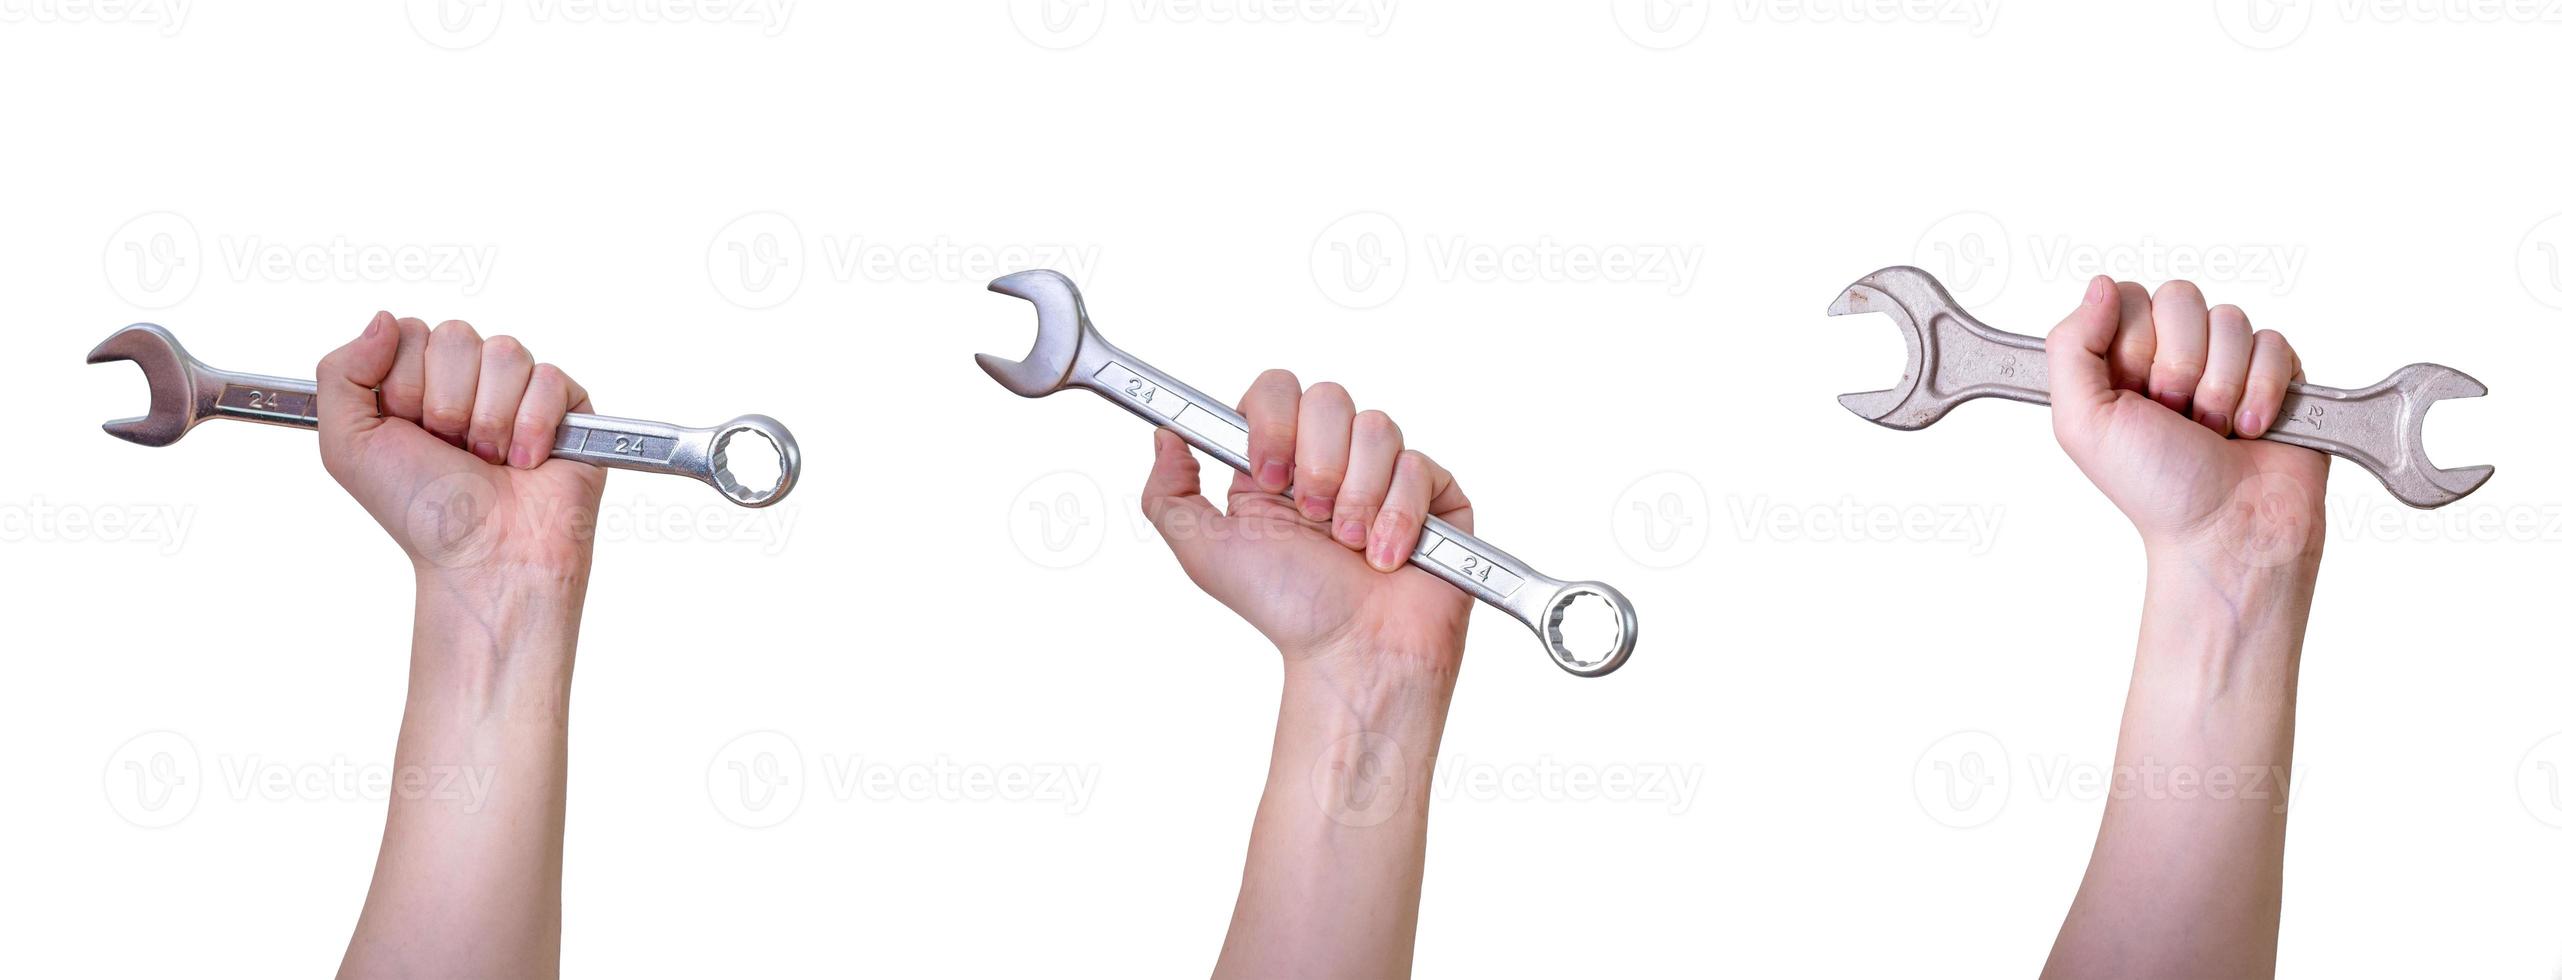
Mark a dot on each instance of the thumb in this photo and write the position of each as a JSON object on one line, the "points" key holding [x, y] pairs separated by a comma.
{"points": [[1173, 501], [2077, 351], [347, 379]]}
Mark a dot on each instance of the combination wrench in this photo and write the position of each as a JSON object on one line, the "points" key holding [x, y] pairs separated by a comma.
{"points": [[1068, 353], [1952, 358], [185, 392]]}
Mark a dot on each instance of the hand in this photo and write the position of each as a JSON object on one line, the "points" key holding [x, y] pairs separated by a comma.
{"points": [[456, 464], [2146, 389], [1322, 575]]}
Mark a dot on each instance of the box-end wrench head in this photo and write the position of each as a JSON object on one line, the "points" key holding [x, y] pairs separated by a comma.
{"points": [[1951, 358], [185, 392], [1069, 353]]}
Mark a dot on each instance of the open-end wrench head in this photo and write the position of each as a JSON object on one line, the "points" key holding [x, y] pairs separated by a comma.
{"points": [[1063, 327], [1911, 298], [2414, 479], [171, 375]]}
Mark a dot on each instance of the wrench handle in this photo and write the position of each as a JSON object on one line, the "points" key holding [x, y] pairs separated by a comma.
{"points": [[1452, 555], [603, 440], [2013, 366]]}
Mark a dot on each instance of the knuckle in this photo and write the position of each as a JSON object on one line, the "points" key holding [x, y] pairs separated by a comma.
{"points": [[454, 330], [1373, 422], [1276, 379], [505, 349], [1329, 391], [1327, 474]]}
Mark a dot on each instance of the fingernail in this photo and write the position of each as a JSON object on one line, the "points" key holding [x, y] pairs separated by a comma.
{"points": [[488, 452], [2176, 401], [1380, 546], [1274, 475], [520, 456], [2099, 290], [2216, 421], [374, 327], [1391, 552], [1317, 508], [1354, 534], [2250, 424]]}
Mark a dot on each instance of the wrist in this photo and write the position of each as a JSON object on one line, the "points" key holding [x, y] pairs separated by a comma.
{"points": [[480, 653]]}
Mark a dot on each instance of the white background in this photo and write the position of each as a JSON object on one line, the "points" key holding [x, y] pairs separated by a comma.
{"points": [[791, 208]]}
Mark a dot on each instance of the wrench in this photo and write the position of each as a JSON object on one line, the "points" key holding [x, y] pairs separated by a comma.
{"points": [[1068, 353], [184, 392], [1951, 358]]}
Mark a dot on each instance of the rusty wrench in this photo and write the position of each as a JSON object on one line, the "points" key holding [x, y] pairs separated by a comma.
{"points": [[1068, 353], [1952, 358], [185, 392]]}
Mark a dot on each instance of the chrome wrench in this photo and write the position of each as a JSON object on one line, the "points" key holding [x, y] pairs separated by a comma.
{"points": [[1952, 358], [1068, 353], [185, 392]]}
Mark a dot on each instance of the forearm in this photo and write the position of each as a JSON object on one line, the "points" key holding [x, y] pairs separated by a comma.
{"points": [[1334, 872], [2185, 877], [468, 880]]}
